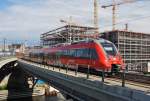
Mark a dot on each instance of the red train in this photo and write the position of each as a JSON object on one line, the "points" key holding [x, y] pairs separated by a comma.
{"points": [[98, 54]]}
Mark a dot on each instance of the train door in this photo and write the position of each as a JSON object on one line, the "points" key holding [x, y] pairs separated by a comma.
{"points": [[90, 57], [93, 57], [54, 59], [51, 58], [57, 58], [46, 58]]}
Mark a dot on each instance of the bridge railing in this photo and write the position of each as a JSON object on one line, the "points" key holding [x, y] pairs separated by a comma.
{"points": [[6, 57], [81, 85], [76, 71]]}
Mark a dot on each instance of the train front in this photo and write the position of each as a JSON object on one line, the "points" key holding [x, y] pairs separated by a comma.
{"points": [[114, 59]]}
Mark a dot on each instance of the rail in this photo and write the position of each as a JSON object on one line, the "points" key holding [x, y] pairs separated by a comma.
{"points": [[123, 78]]}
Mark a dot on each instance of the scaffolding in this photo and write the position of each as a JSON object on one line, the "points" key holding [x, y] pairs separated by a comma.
{"points": [[134, 48], [68, 33]]}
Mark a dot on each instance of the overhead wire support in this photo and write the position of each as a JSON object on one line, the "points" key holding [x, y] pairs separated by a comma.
{"points": [[4, 46]]}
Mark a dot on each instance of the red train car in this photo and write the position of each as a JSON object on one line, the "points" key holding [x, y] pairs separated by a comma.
{"points": [[97, 54]]}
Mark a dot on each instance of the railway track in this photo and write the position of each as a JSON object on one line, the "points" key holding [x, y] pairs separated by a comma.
{"points": [[134, 77], [130, 79], [128, 82]]}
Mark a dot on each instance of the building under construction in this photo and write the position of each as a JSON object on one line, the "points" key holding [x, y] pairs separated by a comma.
{"points": [[134, 48], [68, 33]]}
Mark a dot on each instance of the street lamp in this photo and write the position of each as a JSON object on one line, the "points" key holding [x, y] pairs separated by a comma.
{"points": [[69, 23], [4, 46]]}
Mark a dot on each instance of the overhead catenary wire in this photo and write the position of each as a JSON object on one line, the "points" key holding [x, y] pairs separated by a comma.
{"points": [[128, 21]]}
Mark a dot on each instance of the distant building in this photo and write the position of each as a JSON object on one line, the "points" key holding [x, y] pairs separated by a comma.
{"points": [[4, 51], [133, 46], [17, 48], [31, 49], [1, 48]]}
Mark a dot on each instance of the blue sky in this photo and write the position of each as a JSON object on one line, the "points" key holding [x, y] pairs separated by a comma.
{"points": [[22, 20]]}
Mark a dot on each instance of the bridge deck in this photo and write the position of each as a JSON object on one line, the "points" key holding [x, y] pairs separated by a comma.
{"points": [[5, 93], [114, 88], [5, 60], [108, 81]]}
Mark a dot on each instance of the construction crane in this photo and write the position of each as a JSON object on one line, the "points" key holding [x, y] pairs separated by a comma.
{"points": [[96, 16], [113, 5], [68, 22]]}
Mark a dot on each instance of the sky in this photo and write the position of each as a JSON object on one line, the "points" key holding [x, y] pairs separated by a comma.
{"points": [[25, 20]]}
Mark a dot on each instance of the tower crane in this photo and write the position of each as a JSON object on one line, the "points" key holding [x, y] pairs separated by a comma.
{"points": [[113, 5], [96, 16]]}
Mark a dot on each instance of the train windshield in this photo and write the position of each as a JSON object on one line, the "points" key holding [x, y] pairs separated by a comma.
{"points": [[109, 48]]}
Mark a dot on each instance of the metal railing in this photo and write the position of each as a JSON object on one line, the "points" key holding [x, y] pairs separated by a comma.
{"points": [[6, 57], [86, 73]]}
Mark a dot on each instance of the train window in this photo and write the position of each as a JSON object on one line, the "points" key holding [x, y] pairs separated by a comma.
{"points": [[109, 48], [71, 53], [41, 54], [66, 52], [86, 53], [93, 54], [58, 53], [63, 53], [79, 53]]}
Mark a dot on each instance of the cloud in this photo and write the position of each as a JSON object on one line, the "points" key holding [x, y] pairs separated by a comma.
{"points": [[27, 19]]}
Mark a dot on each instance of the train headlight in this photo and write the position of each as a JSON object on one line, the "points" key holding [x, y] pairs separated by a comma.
{"points": [[114, 59], [106, 60]]}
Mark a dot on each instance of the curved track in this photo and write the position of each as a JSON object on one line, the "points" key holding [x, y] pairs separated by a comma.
{"points": [[130, 79]]}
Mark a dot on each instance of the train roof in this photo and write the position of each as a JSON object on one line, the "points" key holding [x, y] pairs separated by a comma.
{"points": [[62, 45], [101, 40]]}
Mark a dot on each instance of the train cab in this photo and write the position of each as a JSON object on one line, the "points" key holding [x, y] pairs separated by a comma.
{"points": [[114, 58]]}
